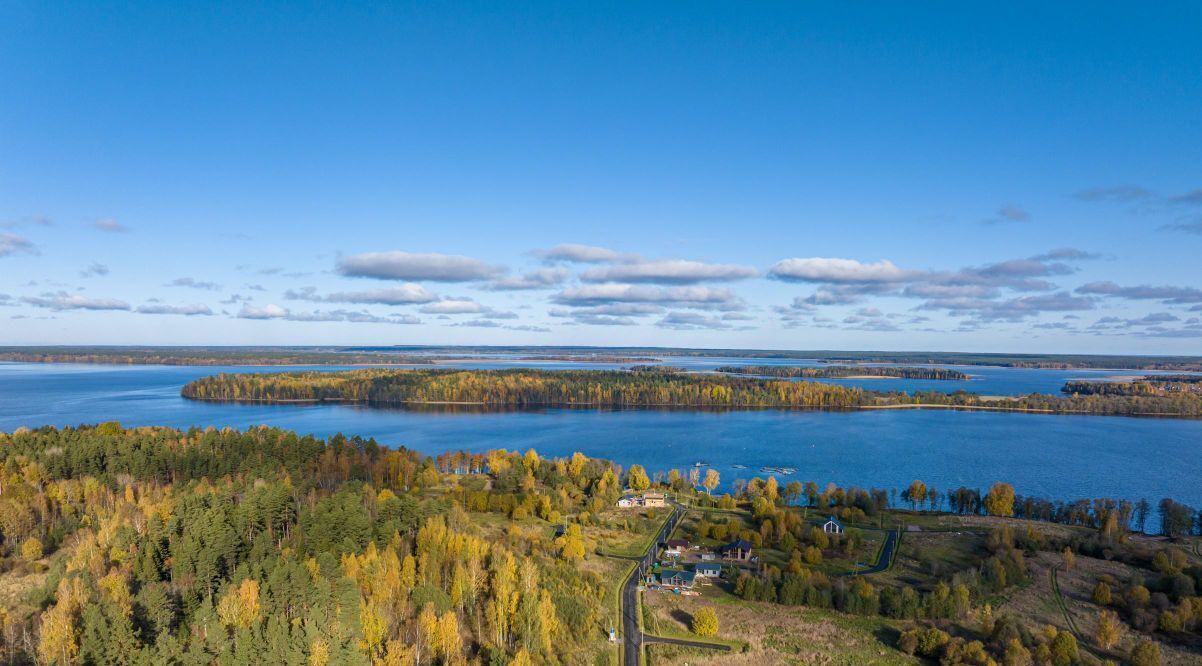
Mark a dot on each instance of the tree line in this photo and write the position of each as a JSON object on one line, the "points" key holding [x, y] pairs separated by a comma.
{"points": [[614, 388], [844, 371]]}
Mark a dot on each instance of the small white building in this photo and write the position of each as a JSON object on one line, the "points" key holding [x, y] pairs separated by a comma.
{"points": [[832, 526]]}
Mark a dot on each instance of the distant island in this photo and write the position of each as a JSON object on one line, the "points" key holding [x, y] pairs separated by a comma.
{"points": [[1150, 385], [520, 388], [845, 372]]}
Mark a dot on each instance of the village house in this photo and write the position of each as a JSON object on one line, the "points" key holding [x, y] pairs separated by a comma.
{"points": [[654, 500], [739, 550], [646, 500], [832, 526], [675, 547], [708, 570], [677, 578]]}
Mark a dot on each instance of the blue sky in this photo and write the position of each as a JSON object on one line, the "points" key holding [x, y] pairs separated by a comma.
{"points": [[1014, 177]]}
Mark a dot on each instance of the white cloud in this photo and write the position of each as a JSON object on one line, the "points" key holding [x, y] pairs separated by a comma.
{"points": [[674, 271], [405, 294], [417, 267], [93, 270], [110, 225], [270, 311], [837, 271], [583, 254], [693, 296], [65, 301], [193, 310], [543, 278], [12, 243], [453, 306], [193, 283]]}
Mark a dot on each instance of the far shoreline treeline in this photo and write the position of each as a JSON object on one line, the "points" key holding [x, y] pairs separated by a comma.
{"points": [[522, 388], [845, 372], [425, 354]]}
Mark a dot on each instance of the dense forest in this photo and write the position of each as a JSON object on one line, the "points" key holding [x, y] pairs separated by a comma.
{"points": [[157, 546], [1149, 385], [595, 388], [523, 388], [202, 356], [844, 371]]}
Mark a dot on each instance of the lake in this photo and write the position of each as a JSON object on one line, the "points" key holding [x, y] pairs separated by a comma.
{"points": [[1061, 457]]}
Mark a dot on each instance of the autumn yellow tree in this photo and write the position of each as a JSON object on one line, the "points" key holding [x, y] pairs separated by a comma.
{"points": [[637, 479], [1000, 500], [1109, 629], [705, 622], [239, 606]]}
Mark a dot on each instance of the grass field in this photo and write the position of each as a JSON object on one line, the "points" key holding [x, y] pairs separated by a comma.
{"points": [[773, 634]]}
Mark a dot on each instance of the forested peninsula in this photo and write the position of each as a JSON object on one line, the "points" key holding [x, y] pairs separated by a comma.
{"points": [[595, 388], [844, 372]]}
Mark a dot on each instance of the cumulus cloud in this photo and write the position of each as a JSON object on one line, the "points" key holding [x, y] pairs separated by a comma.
{"points": [[192, 310], [675, 271], [93, 270], [1165, 294], [110, 225], [355, 317], [587, 317], [610, 293], [454, 306], [692, 321], [582, 254], [1013, 309], [837, 271], [405, 294], [1184, 227], [543, 278], [193, 283], [417, 267], [1009, 213], [270, 311], [12, 243], [65, 301]]}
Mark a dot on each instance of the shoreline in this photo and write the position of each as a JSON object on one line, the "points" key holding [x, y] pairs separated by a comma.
{"points": [[687, 407]]}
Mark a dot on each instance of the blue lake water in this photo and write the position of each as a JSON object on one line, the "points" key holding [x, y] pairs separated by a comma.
{"points": [[1064, 457]]}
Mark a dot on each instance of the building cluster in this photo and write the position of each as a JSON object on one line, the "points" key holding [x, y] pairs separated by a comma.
{"points": [[683, 566], [648, 500]]}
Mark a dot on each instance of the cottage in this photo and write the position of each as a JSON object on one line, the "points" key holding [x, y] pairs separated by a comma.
{"points": [[708, 570], [675, 547], [832, 526], [739, 550], [653, 500], [626, 502], [677, 578]]}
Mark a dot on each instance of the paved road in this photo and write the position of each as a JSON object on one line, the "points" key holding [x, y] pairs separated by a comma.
{"points": [[885, 560], [632, 650]]}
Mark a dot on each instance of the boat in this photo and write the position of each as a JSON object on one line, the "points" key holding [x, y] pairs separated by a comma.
{"points": [[701, 464], [738, 466]]}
